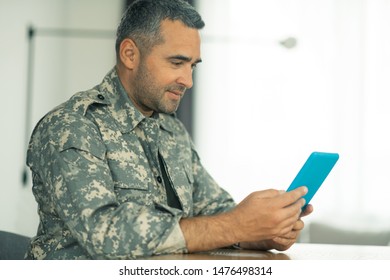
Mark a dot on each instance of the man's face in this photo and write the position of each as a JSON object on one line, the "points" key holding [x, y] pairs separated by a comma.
{"points": [[165, 73]]}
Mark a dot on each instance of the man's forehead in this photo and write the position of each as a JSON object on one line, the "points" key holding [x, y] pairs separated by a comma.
{"points": [[180, 40], [177, 29]]}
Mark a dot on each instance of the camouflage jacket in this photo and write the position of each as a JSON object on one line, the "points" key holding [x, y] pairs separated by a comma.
{"points": [[96, 179]]}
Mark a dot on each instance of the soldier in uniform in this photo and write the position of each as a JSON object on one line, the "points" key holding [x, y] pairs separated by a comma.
{"points": [[115, 173]]}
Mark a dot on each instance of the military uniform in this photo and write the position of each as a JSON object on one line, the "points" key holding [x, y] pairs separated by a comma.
{"points": [[111, 183]]}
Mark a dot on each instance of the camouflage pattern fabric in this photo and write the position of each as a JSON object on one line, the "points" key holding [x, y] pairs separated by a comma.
{"points": [[97, 179]]}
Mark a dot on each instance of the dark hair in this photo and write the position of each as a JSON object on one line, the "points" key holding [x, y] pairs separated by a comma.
{"points": [[142, 19]]}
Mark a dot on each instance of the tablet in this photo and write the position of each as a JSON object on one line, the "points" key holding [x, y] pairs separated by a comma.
{"points": [[314, 172]]}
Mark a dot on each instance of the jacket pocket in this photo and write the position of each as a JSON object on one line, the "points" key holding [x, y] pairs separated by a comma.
{"points": [[131, 181]]}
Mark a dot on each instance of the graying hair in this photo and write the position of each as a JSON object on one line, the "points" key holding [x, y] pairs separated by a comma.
{"points": [[142, 19]]}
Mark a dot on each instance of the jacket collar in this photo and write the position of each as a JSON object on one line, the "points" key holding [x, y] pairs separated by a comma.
{"points": [[122, 108]]}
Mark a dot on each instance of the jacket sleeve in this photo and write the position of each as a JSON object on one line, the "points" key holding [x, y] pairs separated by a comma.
{"points": [[79, 189], [209, 198]]}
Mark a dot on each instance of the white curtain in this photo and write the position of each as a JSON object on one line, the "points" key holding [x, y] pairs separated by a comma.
{"points": [[262, 107]]}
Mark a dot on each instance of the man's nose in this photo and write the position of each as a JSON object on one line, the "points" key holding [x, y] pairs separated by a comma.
{"points": [[185, 78]]}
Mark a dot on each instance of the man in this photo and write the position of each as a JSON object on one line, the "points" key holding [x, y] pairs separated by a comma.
{"points": [[115, 173]]}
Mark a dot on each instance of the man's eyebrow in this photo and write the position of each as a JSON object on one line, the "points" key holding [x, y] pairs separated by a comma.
{"points": [[185, 58]]}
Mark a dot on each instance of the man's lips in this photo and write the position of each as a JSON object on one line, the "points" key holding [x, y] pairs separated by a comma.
{"points": [[176, 92], [176, 95]]}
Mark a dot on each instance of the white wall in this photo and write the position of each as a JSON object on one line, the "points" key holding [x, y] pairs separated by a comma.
{"points": [[262, 108], [62, 67]]}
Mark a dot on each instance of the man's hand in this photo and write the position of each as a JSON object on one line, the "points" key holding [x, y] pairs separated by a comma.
{"points": [[280, 243], [271, 216], [268, 214]]}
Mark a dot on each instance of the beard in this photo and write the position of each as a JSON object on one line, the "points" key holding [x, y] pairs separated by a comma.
{"points": [[150, 96]]}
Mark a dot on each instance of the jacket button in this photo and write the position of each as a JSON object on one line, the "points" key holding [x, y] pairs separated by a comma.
{"points": [[100, 96], [159, 179]]}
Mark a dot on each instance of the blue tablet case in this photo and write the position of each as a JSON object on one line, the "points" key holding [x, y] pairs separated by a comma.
{"points": [[314, 172]]}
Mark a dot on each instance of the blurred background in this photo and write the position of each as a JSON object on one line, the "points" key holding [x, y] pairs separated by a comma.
{"points": [[279, 79]]}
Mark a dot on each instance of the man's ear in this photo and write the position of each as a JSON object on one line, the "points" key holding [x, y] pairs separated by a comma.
{"points": [[129, 53]]}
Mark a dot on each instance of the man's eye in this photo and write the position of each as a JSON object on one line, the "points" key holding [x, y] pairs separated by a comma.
{"points": [[177, 63]]}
